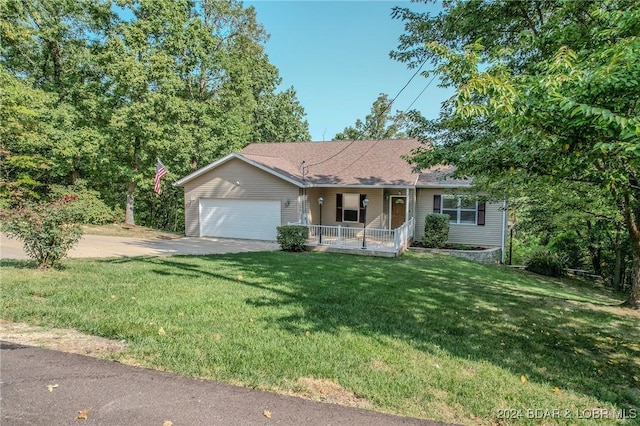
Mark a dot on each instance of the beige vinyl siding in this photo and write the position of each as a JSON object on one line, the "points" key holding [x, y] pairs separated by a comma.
{"points": [[489, 235], [375, 211], [236, 179]]}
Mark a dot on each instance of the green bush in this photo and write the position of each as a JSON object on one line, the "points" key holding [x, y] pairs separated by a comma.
{"points": [[436, 230], [88, 209], [571, 247], [47, 230], [292, 237], [545, 262]]}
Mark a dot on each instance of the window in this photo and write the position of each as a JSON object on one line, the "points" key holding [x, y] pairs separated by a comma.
{"points": [[349, 208], [460, 210]]}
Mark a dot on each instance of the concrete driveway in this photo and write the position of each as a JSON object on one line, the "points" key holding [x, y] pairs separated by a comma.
{"points": [[102, 246]]}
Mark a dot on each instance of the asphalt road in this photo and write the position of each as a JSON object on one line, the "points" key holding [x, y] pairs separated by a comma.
{"points": [[103, 246], [117, 394]]}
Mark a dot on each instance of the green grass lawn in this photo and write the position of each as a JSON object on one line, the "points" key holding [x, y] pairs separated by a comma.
{"points": [[422, 335]]}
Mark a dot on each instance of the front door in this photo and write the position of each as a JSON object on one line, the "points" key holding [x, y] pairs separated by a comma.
{"points": [[398, 211]]}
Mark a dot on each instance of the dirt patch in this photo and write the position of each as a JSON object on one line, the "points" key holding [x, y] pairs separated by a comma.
{"points": [[612, 309], [326, 390], [59, 339], [132, 231]]}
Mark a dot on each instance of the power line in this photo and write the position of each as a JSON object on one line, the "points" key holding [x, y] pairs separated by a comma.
{"points": [[378, 116], [420, 94]]}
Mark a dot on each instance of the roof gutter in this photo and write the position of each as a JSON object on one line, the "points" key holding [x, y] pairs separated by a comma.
{"points": [[240, 157]]}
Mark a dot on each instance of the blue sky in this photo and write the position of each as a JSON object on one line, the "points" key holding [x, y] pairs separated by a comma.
{"points": [[336, 55]]}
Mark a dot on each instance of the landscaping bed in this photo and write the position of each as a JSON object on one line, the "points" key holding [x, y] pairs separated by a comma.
{"points": [[488, 255]]}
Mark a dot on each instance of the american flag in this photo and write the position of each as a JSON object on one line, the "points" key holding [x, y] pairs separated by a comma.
{"points": [[160, 173]]}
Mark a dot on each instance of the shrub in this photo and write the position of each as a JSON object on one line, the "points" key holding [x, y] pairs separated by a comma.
{"points": [[292, 237], [47, 230], [571, 247], [436, 230], [545, 262], [88, 209]]}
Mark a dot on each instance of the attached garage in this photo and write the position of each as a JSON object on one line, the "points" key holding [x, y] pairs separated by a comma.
{"points": [[236, 218]]}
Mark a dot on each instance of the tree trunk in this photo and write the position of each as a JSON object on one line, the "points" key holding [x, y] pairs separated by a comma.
{"points": [[634, 296], [75, 175], [616, 279], [632, 220], [595, 252], [129, 219]]}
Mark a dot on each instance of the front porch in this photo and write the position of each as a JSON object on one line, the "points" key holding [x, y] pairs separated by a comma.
{"points": [[361, 240]]}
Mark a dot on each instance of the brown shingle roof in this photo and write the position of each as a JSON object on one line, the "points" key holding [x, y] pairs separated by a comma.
{"points": [[371, 163], [440, 176]]}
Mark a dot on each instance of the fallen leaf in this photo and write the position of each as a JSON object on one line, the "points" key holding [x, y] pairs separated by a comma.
{"points": [[556, 389], [161, 332], [240, 277], [167, 423], [83, 414], [267, 414], [523, 379], [52, 387]]}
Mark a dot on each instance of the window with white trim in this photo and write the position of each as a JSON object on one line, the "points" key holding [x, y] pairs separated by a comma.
{"points": [[350, 207], [460, 210]]}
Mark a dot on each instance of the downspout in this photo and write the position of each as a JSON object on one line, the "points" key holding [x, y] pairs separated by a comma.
{"points": [[504, 225]]}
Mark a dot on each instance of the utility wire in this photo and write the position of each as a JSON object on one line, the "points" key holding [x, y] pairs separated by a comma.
{"points": [[406, 109], [420, 94], [378, 116]]}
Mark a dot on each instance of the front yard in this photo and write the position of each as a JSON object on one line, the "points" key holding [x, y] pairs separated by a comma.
{"points": [[422, 335]]}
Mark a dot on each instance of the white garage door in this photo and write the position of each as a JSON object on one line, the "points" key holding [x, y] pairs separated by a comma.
{"points": [[249, 219]]}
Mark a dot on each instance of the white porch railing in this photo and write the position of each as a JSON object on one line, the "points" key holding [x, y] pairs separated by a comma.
{"points": [[392, 240]]}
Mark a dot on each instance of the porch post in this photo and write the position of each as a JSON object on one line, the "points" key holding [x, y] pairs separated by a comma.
{"points": [[406, 205]]}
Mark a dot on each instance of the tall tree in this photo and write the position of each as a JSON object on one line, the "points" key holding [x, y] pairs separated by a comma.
{"points": [[47, 46], [381, 123], [99, 89], [280, 118], [549, 92], [186, 80]]}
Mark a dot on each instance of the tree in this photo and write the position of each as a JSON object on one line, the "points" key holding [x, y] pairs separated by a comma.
{"points": [[576, 221], [96, 90], [280, 118], [45, 60], [549, 92], [380, 124]]}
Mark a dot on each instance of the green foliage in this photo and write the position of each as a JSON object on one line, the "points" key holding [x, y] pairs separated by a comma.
{"points": [[47, 230], [569, 246], [543, 261], [521, 246], [88, 208], [436, 230], [380, 123], [292, 237], [280, 118], [546, 93], [88, 94]]}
